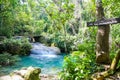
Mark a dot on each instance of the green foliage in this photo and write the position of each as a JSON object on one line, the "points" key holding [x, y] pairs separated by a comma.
{"points": [[25, 48], [89, 10], [8, 59], [112, 8], [114, 39], [14, 46], [7, 8], [52, 19], [59, 40], [80, 64], [86, 36], [60, 14]]}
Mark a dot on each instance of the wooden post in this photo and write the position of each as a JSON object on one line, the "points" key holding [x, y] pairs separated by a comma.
{"points": [[104, 22], [102, 39]]}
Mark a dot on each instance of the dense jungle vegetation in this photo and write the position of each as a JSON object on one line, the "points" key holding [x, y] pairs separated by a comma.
{"points": [[60, 23]]}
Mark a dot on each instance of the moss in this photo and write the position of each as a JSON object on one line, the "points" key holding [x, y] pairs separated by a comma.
{"points": [[32, 74]]}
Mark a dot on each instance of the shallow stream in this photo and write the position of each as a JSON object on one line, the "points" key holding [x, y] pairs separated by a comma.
{"points": [[48, 61]]}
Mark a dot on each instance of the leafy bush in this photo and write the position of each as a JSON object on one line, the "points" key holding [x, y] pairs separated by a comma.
{"points": [[88, 47], [58, 40], [114, 39], [8, 59], [80, 64], [16, 46], [25, 49]]}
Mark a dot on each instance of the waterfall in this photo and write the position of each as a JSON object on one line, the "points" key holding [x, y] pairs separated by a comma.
{"points": [[40, 50]]}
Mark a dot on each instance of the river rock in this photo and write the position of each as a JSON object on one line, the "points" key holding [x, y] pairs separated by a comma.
{"points": [[56, 50], [29, 73]]}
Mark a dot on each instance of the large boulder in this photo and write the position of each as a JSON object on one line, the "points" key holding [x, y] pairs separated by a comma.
{"points": [[29, 73], [55, 50]]}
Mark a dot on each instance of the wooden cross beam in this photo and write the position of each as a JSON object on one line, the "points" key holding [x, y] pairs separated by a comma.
{"points": [[104, 22]]}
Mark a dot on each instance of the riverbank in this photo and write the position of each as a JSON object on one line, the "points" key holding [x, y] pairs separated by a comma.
{"points": [[42, 77]]}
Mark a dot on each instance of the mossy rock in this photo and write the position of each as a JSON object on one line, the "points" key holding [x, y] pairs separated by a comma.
{"points": [[32, 74], [29, 73]]}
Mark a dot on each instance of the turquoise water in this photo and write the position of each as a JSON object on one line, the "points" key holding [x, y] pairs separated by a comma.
{"points": [[49, 64], [41, 56]]}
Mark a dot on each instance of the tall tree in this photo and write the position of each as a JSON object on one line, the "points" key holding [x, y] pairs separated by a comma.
{"points": [[60, 13], [102, 39], [77, 24], [7, 17]]}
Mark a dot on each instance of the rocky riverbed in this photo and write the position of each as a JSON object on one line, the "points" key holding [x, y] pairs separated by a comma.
{"points": [[29, 73]]}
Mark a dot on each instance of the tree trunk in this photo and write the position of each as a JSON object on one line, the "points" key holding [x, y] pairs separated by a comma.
{"points": [[77, 15], [115, 61], [102, 39], [65, 36], [73, 29]]}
